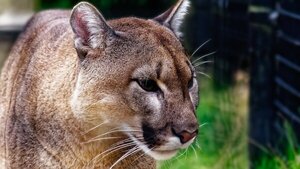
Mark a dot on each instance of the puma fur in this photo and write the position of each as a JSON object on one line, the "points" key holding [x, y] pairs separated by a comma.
{"points": [[78, 91]]}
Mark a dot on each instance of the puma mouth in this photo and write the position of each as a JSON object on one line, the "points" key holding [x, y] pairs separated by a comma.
{"points": [[154, 153], [161, 152]]}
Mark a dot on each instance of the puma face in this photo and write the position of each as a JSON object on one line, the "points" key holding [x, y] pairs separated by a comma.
{"points": [[164, 97], [135, 77]]}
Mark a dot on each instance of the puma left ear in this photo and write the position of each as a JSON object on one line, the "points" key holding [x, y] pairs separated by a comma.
{"points": [[89, 26], [173, 17]]}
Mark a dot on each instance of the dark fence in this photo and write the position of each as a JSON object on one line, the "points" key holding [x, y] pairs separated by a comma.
{"points": [[275, 74], [287, 65], [264, 35]]}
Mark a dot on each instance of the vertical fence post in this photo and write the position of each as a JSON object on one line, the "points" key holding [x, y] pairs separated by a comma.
{"points": [[261, 115]]}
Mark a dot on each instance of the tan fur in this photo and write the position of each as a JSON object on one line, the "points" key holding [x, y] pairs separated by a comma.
{"points": [[49, 98]]}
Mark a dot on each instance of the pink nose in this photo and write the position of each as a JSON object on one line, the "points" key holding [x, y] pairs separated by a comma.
{"points": [[186, 136]]}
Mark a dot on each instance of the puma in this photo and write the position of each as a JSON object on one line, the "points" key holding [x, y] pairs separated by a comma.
{"points": [[78, 91]]}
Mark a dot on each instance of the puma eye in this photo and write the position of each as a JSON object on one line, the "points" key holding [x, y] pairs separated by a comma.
{"points": [[148, 85], [191, 83]]}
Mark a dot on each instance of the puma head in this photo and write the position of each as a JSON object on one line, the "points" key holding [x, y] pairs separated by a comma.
{"points": [[135, 76]]}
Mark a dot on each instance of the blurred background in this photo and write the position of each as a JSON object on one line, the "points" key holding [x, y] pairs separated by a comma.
{"points": [[248, 68]]}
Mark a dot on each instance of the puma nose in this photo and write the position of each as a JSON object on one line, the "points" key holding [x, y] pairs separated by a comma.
{"points": [[186, 136]]}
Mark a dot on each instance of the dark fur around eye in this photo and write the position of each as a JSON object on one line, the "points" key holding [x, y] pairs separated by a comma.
{"points": [[191, 83], [148, 85]]}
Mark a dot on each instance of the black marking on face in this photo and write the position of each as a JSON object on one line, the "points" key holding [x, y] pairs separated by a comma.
{"points": [[149, 134]]}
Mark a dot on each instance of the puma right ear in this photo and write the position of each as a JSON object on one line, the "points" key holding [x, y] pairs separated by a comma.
{"points": [[89, 26], [173, 17]]}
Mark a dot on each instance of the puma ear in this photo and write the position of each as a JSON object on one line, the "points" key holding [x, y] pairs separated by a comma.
{"points": [[89, 26], [173, 17]]}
